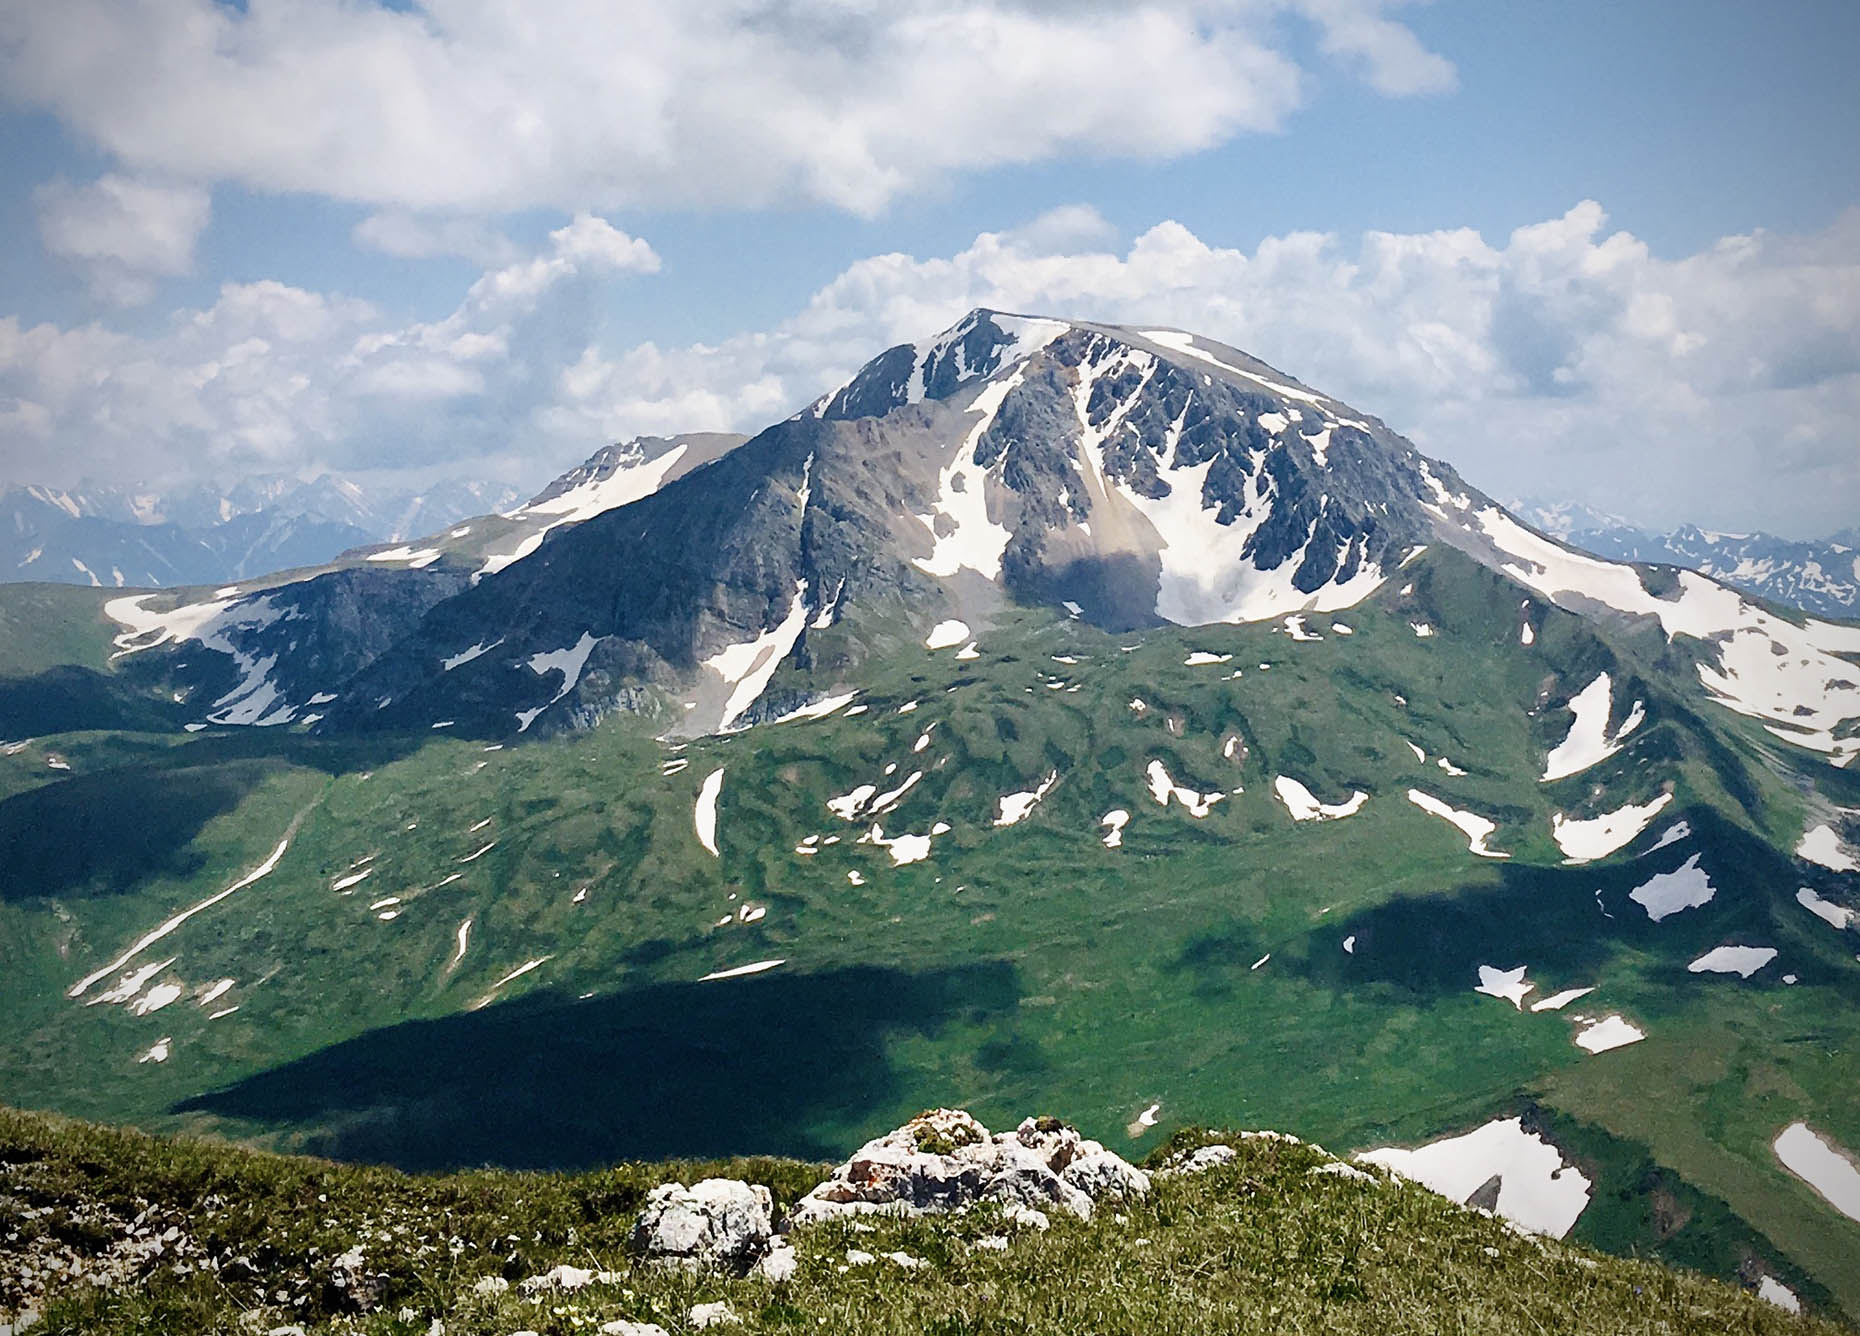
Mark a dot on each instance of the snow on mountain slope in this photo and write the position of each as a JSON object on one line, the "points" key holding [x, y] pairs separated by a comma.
{"points": [[1820, 577], [1801, 681], [616, 475], [1141, 475], [1144, 474]]}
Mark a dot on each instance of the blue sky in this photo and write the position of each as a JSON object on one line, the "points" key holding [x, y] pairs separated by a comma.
{"points": [[1602, 252]]}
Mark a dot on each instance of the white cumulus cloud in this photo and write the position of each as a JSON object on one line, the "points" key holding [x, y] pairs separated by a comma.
{"points": [[474, 107], [122, 233], [1564, 360]]}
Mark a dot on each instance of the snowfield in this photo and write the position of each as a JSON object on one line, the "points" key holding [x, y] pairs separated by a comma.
{"points": [[1507, 985], [704, 815], [1304, 806], [1611, 1033], [1597, 837], [1537, 1190], [1588, 741], [1163, 788], [1742, 961], [1475, 828], [1835, 916], [748, 667], [1790, 677], [1826, 1167], [1207, 572], [1821, 845], [1667, 893]]}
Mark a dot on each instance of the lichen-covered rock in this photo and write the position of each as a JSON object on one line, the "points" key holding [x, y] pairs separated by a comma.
{"points": [[945, 1160], [1105, 1174], [718, 1222], [621, 1327]]}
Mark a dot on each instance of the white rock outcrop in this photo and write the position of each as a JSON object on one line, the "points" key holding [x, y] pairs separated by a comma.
{"points": [[1206, 1157], [778, 1264], [718, 1222], [945, 1160], [713, 1315]]}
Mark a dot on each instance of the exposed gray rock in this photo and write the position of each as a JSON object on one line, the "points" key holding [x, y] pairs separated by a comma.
{"points": [[945, 1160], [1208, 1157], [1106, 1175], [621, 1327], [718, 1222]]}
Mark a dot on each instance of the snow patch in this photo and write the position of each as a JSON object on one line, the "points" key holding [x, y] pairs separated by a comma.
{"points": [[1588, 741], [1557, 1001], [1304, 806], [704, 816], [1476, 828], [1773, 1291], [1835, 916], [1611, 1033], [1667, 893], [1114, 822], [1537, 1190], [1742, 961], [944, 635], [1507, 985], [749, 666], [1821, 845], [1014, 807], [1163, 788], [447, 664], [1597, 837], [1825, 1166], [740, 971], [819, 709]]}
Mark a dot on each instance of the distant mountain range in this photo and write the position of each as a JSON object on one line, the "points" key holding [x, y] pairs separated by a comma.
{"points": [[143, 538], [1820, 577]]}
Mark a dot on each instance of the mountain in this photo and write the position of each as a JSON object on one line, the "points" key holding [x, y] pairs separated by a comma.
{"points": [[141, 538], [1057, 715], [1819, 577]]}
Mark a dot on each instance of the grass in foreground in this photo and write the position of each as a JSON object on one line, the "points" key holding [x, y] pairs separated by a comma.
{"points": [[252, 1241]]}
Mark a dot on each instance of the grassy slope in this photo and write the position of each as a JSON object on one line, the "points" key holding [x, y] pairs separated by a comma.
{"points": [[1263, 1245], [1027, 967], [45, 626]]}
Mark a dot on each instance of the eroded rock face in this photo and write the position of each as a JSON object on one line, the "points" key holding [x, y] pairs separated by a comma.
{"points": [[718, 1222], [945, 1160]]}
